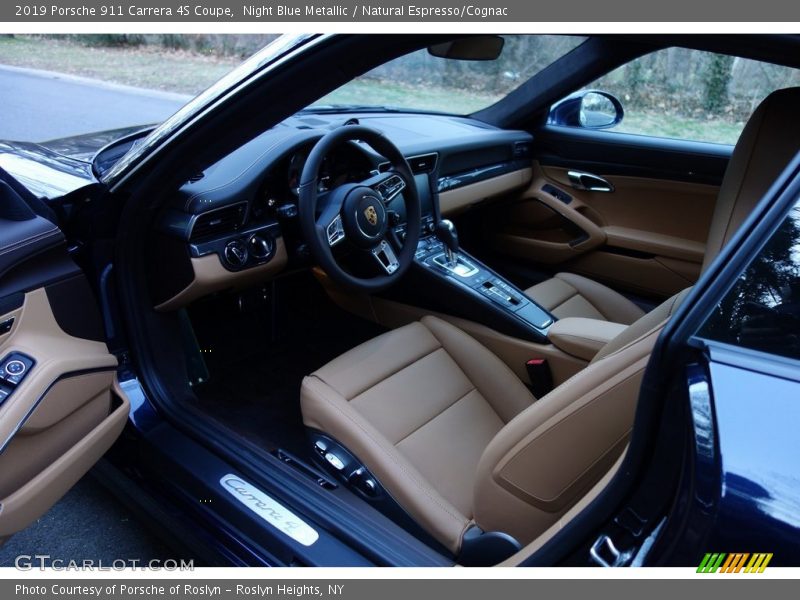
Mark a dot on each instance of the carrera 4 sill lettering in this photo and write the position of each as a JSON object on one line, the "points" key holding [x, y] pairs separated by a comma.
{"points": [[269, 510]]}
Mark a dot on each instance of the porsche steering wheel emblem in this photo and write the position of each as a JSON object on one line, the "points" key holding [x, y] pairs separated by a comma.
{"points": [[372, 215]]}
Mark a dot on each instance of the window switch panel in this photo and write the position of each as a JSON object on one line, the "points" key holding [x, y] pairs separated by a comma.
{"points": [[14, 368]]}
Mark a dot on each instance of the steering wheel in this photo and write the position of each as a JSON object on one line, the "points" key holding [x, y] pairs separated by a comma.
{"points": [[356, 213]]}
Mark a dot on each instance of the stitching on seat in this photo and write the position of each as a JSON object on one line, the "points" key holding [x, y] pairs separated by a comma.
{"points": [[432, 494], [489, 403], [589, 302], [557, 306], [441, 412], [390, 375]]}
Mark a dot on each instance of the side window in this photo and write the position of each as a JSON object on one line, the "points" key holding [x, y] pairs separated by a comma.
{"points": [[762, 311], [692, 95]]}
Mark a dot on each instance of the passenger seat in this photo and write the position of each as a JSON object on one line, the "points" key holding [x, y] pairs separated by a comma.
{"points": [[767, 144]]}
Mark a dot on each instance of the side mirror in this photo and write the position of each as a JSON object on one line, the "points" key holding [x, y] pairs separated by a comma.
{"points": [[590, 109]]}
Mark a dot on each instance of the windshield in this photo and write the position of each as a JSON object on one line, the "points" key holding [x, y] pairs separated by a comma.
{"points": [[256, 63], [423, 82]]}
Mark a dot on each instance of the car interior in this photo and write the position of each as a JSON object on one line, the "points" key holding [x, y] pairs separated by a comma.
{"points": [[445, 319], [445, 397]]}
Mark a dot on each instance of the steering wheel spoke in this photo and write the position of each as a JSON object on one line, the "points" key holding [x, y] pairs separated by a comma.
{"points": [[335, 231], [330, 218], [385, 256], [387, 185]]}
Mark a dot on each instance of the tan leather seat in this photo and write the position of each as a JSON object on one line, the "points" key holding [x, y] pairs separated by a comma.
{"points": [[769, 141], [458, 440]]}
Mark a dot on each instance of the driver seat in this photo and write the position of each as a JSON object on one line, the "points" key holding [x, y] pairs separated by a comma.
{"points": [[459, 442]]}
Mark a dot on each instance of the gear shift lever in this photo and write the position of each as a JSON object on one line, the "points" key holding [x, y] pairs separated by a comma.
{"points": [[446, 232]]}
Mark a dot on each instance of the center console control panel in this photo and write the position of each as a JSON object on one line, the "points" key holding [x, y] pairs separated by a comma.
{"points": [[14, 368], [469, 273]]}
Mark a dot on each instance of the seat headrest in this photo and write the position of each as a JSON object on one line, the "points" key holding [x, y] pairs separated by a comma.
{"points": [[769, 141]]}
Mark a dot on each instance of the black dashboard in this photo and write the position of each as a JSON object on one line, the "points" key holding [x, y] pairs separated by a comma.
{"points": [[240, 207]]}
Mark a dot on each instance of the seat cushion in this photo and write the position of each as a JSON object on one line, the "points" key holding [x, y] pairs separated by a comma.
{"points": [[569, 295], [418, 406]]}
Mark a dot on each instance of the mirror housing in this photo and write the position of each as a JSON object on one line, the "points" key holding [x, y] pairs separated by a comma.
{"points": [[589, 109], [475, 47]]}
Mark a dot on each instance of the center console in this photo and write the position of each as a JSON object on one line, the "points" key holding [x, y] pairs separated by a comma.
{"points": [[446, 279], [467, 273]]}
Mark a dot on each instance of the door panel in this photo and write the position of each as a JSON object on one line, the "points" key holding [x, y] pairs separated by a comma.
{"points": [[614, 153], [672, 209], [59, 407], [646, 236]]}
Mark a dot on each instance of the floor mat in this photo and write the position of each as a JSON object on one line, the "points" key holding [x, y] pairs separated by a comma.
{"points": [[258, 348]]}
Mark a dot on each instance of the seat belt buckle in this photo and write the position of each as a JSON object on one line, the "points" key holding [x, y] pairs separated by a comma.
{"points": [[540, 375]]}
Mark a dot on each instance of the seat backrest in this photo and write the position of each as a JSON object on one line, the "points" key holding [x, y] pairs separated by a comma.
{"points": [[769, 141], [543, 460]]}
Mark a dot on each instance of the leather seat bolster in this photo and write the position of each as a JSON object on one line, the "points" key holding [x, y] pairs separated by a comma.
{"points": [[326, 410], [652, 321], [539, 464]]}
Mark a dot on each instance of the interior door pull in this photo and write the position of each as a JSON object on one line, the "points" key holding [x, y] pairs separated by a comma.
{"points": [[589, 182]]}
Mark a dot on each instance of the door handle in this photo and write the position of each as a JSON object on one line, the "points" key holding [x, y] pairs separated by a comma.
{"points": [[589, 182]]}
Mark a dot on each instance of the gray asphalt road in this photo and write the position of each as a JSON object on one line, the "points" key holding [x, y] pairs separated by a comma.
{"points": [[40, 105], [87, 523]]}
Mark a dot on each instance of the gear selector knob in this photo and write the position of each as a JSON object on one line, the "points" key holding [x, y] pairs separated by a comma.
{"points": [[446, 232]]}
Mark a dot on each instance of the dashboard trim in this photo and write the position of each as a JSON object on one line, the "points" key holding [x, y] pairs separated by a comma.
{"points": [[210, 275], [459, 199]]}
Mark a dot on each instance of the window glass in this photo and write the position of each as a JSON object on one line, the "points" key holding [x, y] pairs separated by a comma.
{"points": [[762, 311], [692, 95], [420, 81]]}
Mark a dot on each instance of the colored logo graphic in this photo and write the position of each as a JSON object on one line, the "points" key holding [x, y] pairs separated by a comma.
{"points": [[743, 562]]}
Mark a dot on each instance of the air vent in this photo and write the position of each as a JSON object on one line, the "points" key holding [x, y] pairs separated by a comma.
{"points": [[424, 163], [221, 220], [196, 177]]}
